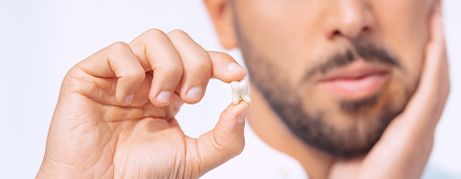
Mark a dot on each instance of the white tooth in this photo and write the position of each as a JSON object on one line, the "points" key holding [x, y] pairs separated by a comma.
{"points": [[240, 91]]}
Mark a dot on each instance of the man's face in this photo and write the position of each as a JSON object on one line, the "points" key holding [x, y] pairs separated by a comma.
{"points": [[337, 71]]}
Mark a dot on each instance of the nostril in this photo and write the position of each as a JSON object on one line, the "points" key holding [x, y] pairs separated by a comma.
{"points": [[336, 32]]}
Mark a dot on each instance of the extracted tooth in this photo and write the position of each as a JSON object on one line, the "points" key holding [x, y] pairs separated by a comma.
{"points": [[240, 91]]}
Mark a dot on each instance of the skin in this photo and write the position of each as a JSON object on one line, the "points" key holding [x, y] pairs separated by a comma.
{"points": [[327, 29], [313, 28], [99, 130]]}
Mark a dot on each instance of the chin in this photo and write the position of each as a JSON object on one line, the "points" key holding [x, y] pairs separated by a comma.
{"points": [[348, 128]]}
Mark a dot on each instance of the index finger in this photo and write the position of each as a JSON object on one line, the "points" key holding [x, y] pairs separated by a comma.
{"points": [[225, 68]]}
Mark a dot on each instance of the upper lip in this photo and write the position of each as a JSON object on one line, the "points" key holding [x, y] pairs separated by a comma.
{"points": [[355, 70]]}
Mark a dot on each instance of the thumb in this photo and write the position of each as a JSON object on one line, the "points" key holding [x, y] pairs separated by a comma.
{"points": [[225, 141]]}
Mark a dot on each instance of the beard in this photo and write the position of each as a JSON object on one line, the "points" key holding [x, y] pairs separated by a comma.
{"points": [[315, 127]]}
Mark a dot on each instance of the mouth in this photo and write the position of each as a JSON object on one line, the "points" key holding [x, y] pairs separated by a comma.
{"points": [[355, 81]]}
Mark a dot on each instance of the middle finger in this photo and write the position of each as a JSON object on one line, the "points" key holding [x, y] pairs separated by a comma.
{"points": [[156, 52], [197, 66]]}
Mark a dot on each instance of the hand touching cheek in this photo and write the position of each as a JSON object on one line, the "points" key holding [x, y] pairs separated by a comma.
{"points": [[405, 146]]}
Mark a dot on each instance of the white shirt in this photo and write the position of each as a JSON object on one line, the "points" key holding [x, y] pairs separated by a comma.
{"points": [[258, 161]]}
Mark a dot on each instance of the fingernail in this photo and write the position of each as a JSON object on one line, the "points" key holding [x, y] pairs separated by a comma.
{"points": [[233, 67], [164, 96], [195, 93], [128, 99], [242, 116]]}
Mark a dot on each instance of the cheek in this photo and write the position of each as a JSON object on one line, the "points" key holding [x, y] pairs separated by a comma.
{"points": [[404, 27], [281, 32]]}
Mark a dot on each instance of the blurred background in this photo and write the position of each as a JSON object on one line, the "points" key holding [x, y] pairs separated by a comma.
{"points": [[41, 40]]}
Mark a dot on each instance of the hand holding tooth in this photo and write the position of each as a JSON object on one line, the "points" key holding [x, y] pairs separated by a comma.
{"points": [[240, 91], [115, 116]]}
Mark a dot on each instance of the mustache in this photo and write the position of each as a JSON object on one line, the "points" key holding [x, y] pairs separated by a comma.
{"points": [[366, 51]]}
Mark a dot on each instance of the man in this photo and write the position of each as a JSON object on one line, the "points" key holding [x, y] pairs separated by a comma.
{"points": [[348, 88]]}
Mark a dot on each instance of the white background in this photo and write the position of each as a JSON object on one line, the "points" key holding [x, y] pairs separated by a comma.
{"points": [[41, 40]]}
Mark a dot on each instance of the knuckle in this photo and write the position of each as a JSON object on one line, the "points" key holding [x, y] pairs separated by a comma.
{"points": [[135, 75], [76, 81], [154, 32], [170, 72], [203, 67], [178, 32], [222, 55], [174, 69], [74, 70], [117, 46]]}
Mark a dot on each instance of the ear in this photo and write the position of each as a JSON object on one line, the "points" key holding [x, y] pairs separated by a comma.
{"points": [[221, 13]]}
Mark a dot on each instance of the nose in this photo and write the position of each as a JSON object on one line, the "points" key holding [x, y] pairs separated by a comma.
{"points": [[348, 19]]}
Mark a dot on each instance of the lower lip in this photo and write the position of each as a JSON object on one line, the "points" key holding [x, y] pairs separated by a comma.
{"points": [[355, 88]]}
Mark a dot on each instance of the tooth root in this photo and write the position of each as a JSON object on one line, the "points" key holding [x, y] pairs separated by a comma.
{"points": [[235, 98], [247, 99], [240, 91]]}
